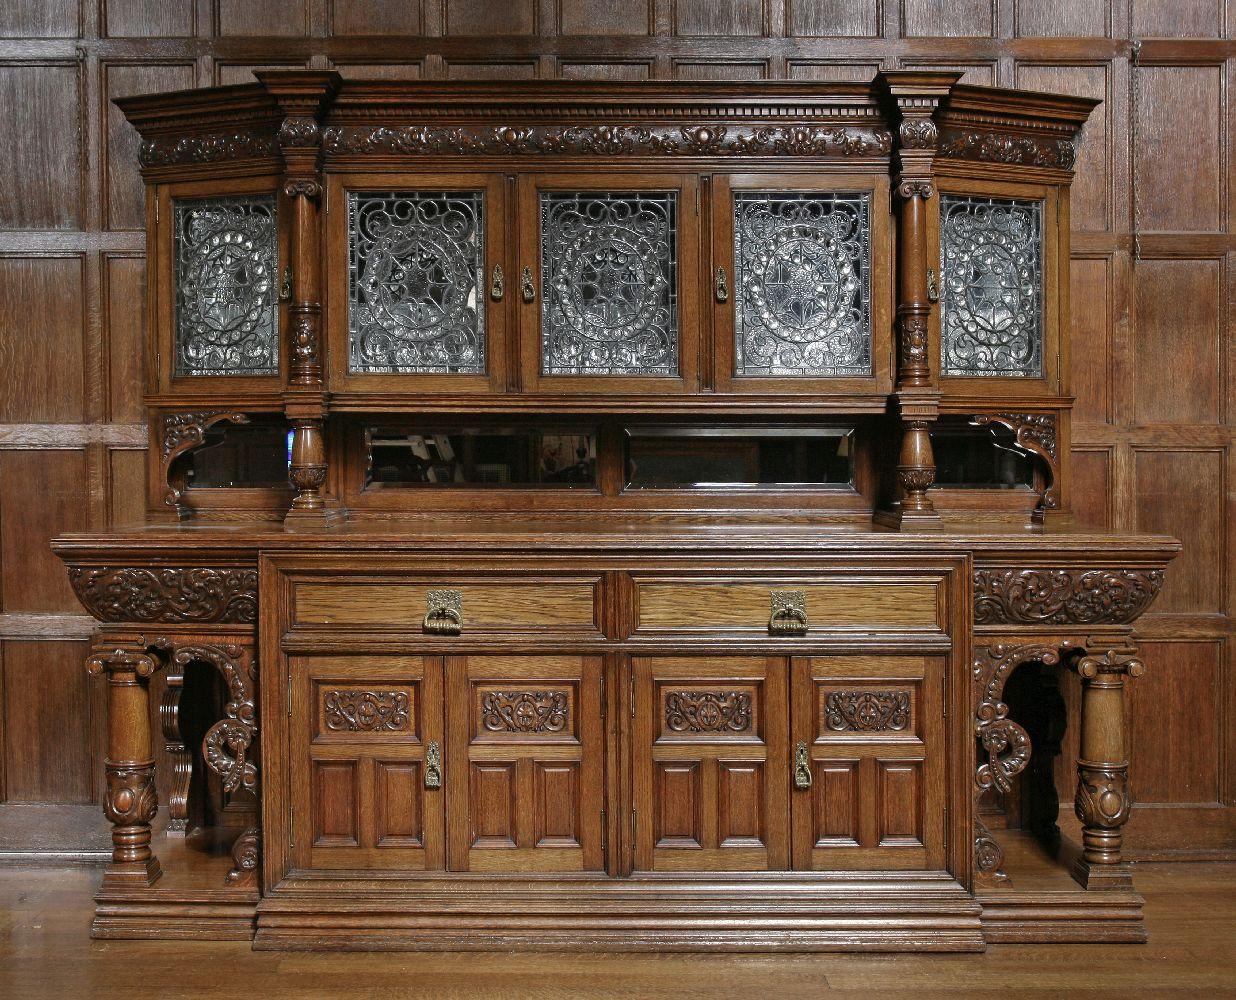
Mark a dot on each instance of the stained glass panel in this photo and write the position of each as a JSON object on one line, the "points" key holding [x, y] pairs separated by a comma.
{"points": [[609, 284], [991, 263], [227, 262], [802, 266], [415, 263]]}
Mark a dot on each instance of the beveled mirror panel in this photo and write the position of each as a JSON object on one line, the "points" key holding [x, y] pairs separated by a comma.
{"points": [[415, 280], [227, 261], [609, 283], [802, 266], [991, 265]]}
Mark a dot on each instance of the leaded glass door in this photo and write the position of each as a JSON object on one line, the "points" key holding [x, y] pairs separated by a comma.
{"points": [[419, 283], [800, 283], [608, 285]]}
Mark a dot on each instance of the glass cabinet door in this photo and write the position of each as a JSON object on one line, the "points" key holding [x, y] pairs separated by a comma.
{"points": [[418, 281], [607, 282], [800, 283]]}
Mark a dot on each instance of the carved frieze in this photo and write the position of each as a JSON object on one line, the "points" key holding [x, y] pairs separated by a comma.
{"points": [[367, 711], [867, 711], [1014, 596], [167, 594], [708, 711], [210, 147], [524, 711], [1006, 147], [609, 140]]}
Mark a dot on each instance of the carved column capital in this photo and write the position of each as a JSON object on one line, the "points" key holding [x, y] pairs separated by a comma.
{"points": [[1110, 668]]}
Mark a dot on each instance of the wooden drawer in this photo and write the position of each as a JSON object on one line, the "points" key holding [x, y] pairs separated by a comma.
{"points": [[528, 603], [746, 605]]}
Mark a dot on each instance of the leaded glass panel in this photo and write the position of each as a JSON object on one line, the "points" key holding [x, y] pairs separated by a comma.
{"points": [[415, 261], [609, 283], [227, 261], [991, 262], [802, 265]]}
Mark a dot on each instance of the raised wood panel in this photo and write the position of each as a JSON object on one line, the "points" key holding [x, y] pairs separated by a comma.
{"points": [[127, 495], [397, 804], [376, 17], [1092, 487], [720, 70], [806, 69], [1177, 357], [1061, 18], [1181, 493], [900, 810], [981, 74], [148, 18], [1089, 202], [483, 17], [833, 18], [604, 71], [1178, 19], [124, 310], [836, 802], [1090, 303], [42, 316], [604, 17], [40, 18], [707, 17], [491, 70], [41, 157], [336, 803], [124, 192], [1179, 122], [947, 18], [47, 731], [42, 495], [271, 17], [228, 73], [380, 71], [1176, 755]]}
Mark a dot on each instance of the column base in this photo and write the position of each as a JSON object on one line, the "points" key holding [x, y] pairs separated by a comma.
{"points": [[909, 519], [323, 516], [132, 873], [1089, 875]]}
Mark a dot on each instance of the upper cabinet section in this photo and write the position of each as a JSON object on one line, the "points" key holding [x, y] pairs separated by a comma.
{"points": [[605, 246]]}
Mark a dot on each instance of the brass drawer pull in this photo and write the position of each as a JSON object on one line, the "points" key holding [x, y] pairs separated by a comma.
{"points": [[802, 767], [496, 289], [723, 288], [433, 765], [445, 615], [525, 285], [789, 613]]}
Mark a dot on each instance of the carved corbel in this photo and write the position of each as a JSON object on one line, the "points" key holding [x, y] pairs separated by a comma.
{"points": [[1034, 433], [183, 432]]}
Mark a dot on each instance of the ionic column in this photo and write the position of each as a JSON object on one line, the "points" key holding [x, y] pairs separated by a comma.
{"points": [[1103, 802], [131, 801]]}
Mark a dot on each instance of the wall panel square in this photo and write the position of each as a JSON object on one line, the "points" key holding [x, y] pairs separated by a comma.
{"points": [[485, 17], [127, 494], [605, 71], [1177, 19], [708, 17], [604, 17], [376, 17], [1092, 488], [148, 18], [124, 308], [41, 157], [288, 18], [39, 18], [1061, 18], [1090, 304], [947, 18], [833, 18]]}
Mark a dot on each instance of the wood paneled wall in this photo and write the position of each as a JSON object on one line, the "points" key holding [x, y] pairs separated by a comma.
{"points": [[1152, 363]]}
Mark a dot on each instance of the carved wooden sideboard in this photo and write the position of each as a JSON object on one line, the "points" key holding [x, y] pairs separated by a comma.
{"points": [[633, 516]]}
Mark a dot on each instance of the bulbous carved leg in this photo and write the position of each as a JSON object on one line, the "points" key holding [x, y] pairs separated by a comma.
{"points": [[131, 801]]}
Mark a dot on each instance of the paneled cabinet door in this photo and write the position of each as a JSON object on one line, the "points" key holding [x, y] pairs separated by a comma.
{"points": [[366, 785], [710, 764], [869, 776], [525, 763]]}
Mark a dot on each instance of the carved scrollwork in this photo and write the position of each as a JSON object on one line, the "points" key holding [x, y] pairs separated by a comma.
{"points": [[228, 745], [524, 711], [610, 140], [246, 853], [1035, 433], [195, 594], [208, 148], [184, 431], [1004, 147], [988, 854], [918, 133], [867, 711], [367, 711], [708, 711], [299, 131], [1009, 595]]}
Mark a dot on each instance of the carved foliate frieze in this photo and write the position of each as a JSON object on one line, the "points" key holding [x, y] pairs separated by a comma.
{"points": [[367, 711], [609, 140], [1006, 147], [918, 133], [867, 711], [1014, 596], [708, 711], [525, 711], [299, 131], [211, 147], [167, 595]]}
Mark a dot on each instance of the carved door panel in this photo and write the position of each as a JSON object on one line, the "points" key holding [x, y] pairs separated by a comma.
{"points": [[366, 738], [710, 764], [525, 763], [869, 776]]}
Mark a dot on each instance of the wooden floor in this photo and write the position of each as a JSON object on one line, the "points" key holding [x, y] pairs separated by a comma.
{"points": [[45, 952]]}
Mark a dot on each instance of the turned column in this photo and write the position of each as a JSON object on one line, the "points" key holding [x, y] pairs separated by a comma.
{"points": [[131, 801], [1103, 802]]}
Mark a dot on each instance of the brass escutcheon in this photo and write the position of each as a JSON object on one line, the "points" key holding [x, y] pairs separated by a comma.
{"points": [[433, 765], [802, 767]]}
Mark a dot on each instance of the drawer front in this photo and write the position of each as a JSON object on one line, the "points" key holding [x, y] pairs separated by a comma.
{"points": [[748, 605], [490, 604]]}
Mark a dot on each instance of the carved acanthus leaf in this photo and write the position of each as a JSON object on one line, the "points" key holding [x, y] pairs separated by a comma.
{"points": [[1014, 596], [195, 594], [210, 147], [1006, 147]]}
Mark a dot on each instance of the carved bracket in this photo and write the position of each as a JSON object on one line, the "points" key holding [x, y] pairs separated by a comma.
{"points": [[184, 431], [1035, 433], [1013, 596]]}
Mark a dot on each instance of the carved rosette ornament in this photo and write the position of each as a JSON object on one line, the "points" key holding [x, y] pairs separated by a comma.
{"points": [[167, 594], [1035, 433], [867, 711], [185, 431], [708, 711], [1013, 596]]}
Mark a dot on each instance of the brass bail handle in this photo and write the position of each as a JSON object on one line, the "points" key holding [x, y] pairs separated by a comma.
{"points": [[789, 613], [802, 767], [445, 614]]}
